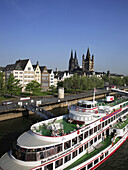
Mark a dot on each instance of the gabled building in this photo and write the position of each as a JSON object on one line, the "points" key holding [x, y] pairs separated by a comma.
{"points": [[51, 77], [37, 73], [22, 70], [44, 78]]}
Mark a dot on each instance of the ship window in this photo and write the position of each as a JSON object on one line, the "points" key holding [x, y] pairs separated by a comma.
{"points": [[39, 169], [86, 134], [96, 161], [102, 124], [83, 168], [86, 146], [111, 119], [108, 120], [67, 158], [74, 141], [99, 136], [74, 154], [80, 138], [90, 131], [89, 106], [58, 148], [114, 117], [105, 122], [99, 127], [58, 163], [95, 128], [49, 167], [67, 144], [89, 166], [81, 149], [95, 139], [102, 156], [106, 153], [91, 142]]}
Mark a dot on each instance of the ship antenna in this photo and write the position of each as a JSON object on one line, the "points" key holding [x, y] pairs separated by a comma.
{"points": [[94, 95]]}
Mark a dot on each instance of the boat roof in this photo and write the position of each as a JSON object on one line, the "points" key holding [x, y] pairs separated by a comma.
{"points": [[30, 140]]}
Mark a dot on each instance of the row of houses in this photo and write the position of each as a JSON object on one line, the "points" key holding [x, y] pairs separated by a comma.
{"points": [[24, 71]]}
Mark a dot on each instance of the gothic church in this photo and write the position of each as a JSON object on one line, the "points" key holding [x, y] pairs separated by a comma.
{"points": [[87, 63]]}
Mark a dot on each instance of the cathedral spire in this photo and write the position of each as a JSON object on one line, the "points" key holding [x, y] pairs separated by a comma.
{"points": [[71, 54], [75, 55], [88, 54]]}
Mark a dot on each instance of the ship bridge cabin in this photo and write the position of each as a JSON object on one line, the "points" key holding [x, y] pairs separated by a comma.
{"points": [[88, 105], [84, 112]]}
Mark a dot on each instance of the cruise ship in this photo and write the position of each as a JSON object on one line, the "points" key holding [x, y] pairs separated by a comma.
{"points": [[81, 140]]}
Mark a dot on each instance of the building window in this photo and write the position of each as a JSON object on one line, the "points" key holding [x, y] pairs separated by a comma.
{"points": [[29, 68], [16, 72]]}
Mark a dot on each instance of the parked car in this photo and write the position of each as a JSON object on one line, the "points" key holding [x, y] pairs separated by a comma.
{"points": [[7, 103]]}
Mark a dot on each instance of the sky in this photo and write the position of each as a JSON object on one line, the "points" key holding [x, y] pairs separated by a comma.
{"points": [[47, 31]]}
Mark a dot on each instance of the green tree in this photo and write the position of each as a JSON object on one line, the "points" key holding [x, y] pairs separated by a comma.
{"points": [[33, 87], [2, 85], [13, 85]]}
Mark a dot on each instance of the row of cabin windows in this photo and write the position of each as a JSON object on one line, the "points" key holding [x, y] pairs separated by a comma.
{"points": [[89, 166], [67, 158], [91, 131]]}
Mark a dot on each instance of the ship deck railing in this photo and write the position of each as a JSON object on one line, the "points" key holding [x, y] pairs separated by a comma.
{"points": [[67, 128], [103, 145]]}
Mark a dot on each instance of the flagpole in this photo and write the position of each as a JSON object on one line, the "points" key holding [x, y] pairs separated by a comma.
{"points": [[94, 96]]}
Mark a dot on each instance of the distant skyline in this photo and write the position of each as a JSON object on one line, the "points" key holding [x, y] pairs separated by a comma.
{"points": [[47, 31]]}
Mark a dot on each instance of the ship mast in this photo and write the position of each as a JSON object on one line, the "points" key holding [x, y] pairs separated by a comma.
{"points": [[94, 95]]}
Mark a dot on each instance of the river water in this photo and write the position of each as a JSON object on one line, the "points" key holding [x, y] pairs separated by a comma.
{"points": [[10, 130]]}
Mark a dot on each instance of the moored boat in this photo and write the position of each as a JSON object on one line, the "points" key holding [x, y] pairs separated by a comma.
{"points": [[83, 139]]}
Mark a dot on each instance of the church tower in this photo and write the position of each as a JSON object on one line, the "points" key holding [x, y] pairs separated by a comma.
{"points": [[73, 62], [88, 63]]}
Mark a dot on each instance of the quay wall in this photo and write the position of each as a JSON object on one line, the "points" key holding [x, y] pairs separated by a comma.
{"points": [[23, 112], [74, 101], [13, 115]]}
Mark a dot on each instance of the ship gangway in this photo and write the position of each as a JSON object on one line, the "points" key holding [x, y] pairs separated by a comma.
{"points": [[119, 91], [39, 111]]}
